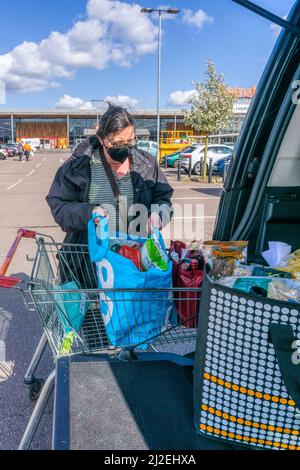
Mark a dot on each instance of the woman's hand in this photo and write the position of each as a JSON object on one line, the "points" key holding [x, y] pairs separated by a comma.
{"points": [[154, 221], [101, 212]]}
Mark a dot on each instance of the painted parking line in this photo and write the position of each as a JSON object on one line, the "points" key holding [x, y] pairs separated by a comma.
{"points": [[190, 218], [15, 184], [39, 165], [44, 159], [31, 173], [208, 198], [196, 187], [6, 370]]}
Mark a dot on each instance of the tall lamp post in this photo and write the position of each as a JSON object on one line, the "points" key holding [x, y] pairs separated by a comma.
{"points": [[171, 11]]}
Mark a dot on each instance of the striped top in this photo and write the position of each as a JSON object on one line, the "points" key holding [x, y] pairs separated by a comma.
{"points": [[102, 193]]}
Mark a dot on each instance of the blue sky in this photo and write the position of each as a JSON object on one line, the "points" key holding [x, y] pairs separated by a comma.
{"points": [[122, 59]]}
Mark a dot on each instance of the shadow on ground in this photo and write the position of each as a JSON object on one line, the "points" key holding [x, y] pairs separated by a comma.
{"points": [[20, 332], [209, 191]]}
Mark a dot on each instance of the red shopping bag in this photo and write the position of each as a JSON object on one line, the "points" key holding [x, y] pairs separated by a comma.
{"points": [[185, 276]]}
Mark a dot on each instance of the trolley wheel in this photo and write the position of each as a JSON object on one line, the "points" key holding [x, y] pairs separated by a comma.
{"points": [[35, 389]]}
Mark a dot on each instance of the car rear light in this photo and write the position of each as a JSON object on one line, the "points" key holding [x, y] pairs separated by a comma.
{"points": [[186, 155]]}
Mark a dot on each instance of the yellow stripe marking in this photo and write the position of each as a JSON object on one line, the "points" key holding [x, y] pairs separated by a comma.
{"points": [[247, 439], [249, 423], [249, 391]]}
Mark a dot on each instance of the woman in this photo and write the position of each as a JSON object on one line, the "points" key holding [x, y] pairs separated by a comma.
{"points": [[20, 151], [108, 176]]}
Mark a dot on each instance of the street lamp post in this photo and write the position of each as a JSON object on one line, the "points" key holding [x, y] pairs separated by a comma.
{"points": [[171, 11]]}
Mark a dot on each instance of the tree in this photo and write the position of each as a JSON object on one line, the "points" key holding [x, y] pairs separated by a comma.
{"points": [[212, 106]]}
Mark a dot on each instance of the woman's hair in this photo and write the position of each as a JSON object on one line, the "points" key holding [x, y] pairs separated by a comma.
{"points": [[114, 120]]}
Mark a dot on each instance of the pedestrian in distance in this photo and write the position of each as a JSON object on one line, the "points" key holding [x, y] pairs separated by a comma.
{"points": [[20, 151], [27, 150]]}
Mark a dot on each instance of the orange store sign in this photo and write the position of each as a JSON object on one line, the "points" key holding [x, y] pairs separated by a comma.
{"points": [[242, 92]]}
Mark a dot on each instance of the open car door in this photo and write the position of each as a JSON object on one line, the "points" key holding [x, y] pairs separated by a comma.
{"points": [[261, 196]]}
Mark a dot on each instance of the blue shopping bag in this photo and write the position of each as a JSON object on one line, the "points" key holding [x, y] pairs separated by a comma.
{"points": [[131, 317]]}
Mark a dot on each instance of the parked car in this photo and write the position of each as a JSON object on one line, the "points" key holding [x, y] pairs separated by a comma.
{"points": [[9, 150], [196, 153], [172, 159], [148, 146], [12, 149], [3, 153], [218, 168]]}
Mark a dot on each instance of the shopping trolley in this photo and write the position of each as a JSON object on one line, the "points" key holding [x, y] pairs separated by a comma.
{"points": [[54, 265]]}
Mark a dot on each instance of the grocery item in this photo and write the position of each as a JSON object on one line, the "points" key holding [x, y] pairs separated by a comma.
{"points": [[194, 264], [153, 255], [176, 250], [131, 253], [287, 290], [186, 264], [276, 252], [264, 271], [120, 242], [227, 281], [244, 270], [291, 264], [223, 257], [179, 251], [115, 248], [246, 284]]}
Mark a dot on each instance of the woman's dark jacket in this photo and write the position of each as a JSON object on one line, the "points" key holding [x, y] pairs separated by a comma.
{"points": [[69, 194]]}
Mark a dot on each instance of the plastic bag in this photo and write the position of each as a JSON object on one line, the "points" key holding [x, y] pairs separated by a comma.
{"points": [[153, 255], [71, 308], [287, 290], [187, 303], [224, 257], [291, 264]]}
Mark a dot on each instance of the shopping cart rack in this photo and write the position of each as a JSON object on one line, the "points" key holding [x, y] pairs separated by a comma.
{"points": [[56, 267]]}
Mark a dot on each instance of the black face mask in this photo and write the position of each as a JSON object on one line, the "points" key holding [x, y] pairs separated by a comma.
{"points": [[121, 154]]}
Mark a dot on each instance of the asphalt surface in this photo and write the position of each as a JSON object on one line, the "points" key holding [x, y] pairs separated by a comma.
{"points": [[23, 188]]}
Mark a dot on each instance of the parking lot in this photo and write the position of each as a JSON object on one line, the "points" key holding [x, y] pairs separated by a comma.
{"points": [[24, 186]]}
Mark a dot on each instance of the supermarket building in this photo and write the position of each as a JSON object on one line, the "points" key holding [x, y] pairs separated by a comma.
{"points": [[59, 128]]}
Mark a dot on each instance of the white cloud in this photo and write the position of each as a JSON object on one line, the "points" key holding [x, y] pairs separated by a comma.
{"points": [[112, 32], [180, 98], [70, 102], [122, 100], [198, 18], [276, 29]]}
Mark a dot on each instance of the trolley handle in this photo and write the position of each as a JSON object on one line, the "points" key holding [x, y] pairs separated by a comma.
{"points": [[6, 281]]}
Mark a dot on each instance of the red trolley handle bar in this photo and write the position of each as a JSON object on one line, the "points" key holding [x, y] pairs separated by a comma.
{"points": [[6, 281]]}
